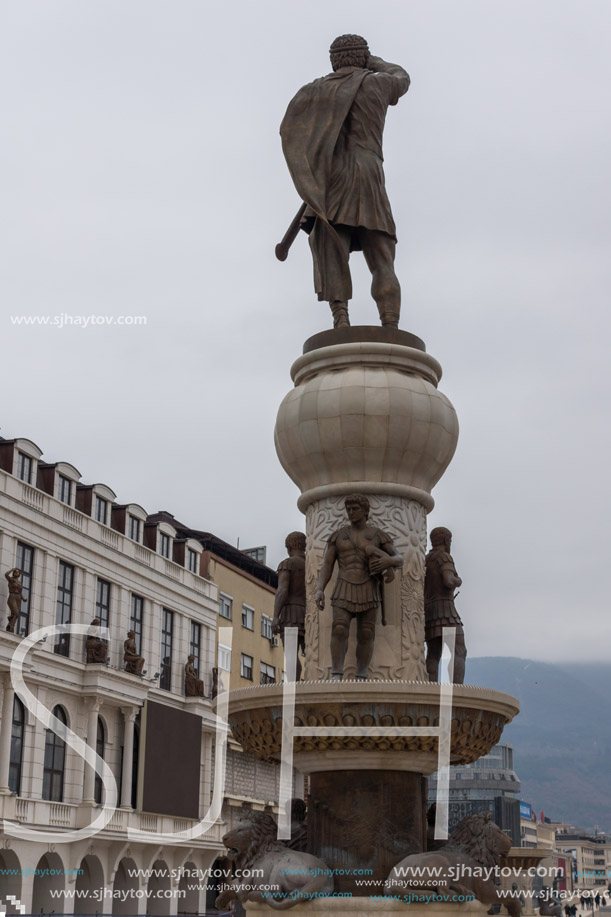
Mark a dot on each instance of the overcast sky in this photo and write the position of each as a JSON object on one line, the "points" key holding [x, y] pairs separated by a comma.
{"points": [[143, 175]]}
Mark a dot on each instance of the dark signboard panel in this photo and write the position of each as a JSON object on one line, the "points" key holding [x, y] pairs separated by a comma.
{"points": [[170, 761]]}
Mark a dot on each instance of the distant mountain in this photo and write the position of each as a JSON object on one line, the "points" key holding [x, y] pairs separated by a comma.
{"points": [[562, 737]]}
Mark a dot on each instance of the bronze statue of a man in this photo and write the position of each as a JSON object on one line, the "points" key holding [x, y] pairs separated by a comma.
{"points": [[15, 598], [363, 553], [332, 143], [440, 581], [290, 602]]}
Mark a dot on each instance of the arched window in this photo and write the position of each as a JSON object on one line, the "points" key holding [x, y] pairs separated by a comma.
{"points": [[99, 747], [14, 779], [55, 762]]}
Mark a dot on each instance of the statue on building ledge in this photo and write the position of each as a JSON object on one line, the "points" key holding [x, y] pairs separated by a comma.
{"points": [[365, 555], [15, 598], [290, 602], [134, 663], [332, 143], [440, 581], [95, 647], [194, 686]]}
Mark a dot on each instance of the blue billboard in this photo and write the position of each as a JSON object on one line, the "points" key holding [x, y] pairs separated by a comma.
{"points": [[526, 811]]}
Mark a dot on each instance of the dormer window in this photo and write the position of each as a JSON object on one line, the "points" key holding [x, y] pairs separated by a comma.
{"points": [[133, 530], [24, 467], [164, 544], [101, 510], [192, 559], [65, 490]]}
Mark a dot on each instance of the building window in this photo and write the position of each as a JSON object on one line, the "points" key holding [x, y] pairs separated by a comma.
{"points": [[102, 602], [65, 490], [258, 554], [24, 467], [224, 658], [63, 615], [248, 617], [246, 666], [268, 674], [25, 563], [266, 627], [195, 643], [101, 510], [100, 744], [192, 560], [164, 544], [225, 606], [55, 762], [14, 778], [135, 621], [133, 529], [167, 627]]}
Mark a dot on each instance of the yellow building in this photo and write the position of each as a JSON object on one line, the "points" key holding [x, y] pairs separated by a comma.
{"points": [[247, 589], [246, 604]]}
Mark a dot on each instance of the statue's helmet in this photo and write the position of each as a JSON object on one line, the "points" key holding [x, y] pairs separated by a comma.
{"points": [[349, 51]]}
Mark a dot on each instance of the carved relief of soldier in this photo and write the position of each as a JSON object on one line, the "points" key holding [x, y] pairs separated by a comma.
{"points": [[440, 581], [15, 597], [290, 602], [365, 555]]}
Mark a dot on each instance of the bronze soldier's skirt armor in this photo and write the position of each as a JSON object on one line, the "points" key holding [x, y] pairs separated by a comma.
{"points": [[439, 613], [293, 616], [356, 597]]}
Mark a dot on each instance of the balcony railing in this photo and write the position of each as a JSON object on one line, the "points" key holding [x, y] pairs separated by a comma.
{"points": [[40, 813]]}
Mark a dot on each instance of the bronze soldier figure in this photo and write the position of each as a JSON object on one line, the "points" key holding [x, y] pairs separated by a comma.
{"points": [[290, 603], [332, 143], [362, 552], [440, 581]]}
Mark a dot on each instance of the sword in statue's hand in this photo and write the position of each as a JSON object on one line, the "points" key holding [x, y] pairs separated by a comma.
{"points": [[282, 248]]}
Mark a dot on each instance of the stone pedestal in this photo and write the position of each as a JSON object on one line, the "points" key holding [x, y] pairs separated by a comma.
{"points": [[366, 417]]}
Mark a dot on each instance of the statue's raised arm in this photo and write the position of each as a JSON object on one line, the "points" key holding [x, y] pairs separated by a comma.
{"points": [[332, 143]]}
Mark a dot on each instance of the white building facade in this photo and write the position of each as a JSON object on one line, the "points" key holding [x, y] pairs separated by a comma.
{"points": [[82, 556]]}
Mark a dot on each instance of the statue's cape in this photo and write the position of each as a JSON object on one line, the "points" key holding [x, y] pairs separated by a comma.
{"points": [[310, 129], [309, 133]]}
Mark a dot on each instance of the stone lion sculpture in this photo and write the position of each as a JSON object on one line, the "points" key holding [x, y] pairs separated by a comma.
{"points": [[289, 876], [464, 866]]}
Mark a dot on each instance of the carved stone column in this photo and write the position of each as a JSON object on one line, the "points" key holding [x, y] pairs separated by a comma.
{"points": [[8, 699], [93, 707], [129, 716], [366, 417]]}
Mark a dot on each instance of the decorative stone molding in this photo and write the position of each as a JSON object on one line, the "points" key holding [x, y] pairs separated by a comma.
{"points": [[478, 718]]}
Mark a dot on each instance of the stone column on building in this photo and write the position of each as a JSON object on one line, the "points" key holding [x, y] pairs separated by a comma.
{"points": [[93, 707], [8, 698], [129, 715]]}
